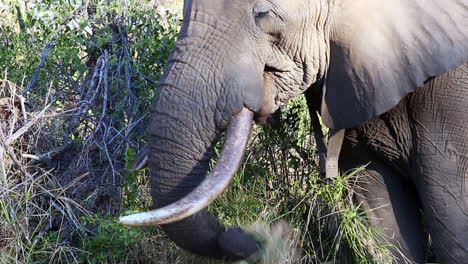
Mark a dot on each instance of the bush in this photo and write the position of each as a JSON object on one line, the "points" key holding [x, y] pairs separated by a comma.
{"points": [[74, 103]]}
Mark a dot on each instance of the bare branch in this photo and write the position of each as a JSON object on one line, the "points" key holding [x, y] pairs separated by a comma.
{"points": [[45, 54], [104, 74]]}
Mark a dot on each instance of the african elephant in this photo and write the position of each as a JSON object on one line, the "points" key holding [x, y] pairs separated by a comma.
{"points": [[392, 73]]}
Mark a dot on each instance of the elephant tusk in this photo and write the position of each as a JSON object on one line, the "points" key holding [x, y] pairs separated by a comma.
{"points": [[141, 160], [213, 185]]}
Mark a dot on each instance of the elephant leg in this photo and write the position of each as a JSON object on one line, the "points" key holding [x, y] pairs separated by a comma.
{"points": [[390, 203], [440, 161], [443, 188]]}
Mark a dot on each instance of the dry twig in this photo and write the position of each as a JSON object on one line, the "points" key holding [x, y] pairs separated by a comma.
{"points": [[44, 56]]}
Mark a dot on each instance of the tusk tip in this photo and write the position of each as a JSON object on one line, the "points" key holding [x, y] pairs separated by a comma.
{"points": [[140, 219], [141, 160], [128, 220]]}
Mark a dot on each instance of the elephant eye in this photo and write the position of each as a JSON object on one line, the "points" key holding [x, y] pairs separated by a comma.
{"points": [[261, 9], [266, 18], [260, 14]]}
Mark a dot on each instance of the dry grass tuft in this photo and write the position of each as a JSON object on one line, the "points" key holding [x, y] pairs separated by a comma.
{"points": [[32, 201]]}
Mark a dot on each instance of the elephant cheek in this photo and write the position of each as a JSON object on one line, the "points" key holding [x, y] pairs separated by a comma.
{"points": [[245, 78]]}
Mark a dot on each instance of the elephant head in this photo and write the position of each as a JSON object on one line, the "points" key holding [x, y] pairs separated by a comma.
{"points": [[236, 59]]}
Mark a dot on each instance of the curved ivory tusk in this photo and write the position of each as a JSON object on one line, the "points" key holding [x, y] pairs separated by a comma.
{"points": [[141, 160], [213, 185]]}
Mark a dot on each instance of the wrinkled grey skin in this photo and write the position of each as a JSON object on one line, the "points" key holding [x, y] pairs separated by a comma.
{"points": [[364, 56], [418, 162]]}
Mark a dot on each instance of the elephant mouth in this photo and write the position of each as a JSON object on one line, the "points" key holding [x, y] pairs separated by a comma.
{"points": [[212, 186], [269, 111]]}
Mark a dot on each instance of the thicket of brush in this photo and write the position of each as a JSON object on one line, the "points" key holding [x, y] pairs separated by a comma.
{"points": [[76, 82]]}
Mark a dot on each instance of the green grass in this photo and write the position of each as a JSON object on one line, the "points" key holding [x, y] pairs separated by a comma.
{"points": [[328, 227]]}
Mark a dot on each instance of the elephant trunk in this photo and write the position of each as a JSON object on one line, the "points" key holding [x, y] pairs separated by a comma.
{"points": [[183, 131], [211, 187]]}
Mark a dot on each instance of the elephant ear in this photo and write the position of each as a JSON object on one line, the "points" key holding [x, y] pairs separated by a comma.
{"points": [[382, 50]]}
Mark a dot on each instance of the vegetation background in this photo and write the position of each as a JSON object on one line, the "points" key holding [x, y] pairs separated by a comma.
{"points": [[76, 82]]}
